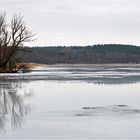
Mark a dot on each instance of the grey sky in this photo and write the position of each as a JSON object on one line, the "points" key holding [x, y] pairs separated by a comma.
{"points": [[79, 22]]}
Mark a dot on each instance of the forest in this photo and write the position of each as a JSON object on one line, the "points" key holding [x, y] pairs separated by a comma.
{"points": [[107, 53]]}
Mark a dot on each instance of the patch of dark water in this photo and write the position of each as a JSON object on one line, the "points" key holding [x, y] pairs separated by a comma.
{"points": [[109, 110]]}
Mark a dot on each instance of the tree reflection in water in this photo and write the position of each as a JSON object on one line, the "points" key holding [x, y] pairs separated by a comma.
{"points": [[12, 104]]}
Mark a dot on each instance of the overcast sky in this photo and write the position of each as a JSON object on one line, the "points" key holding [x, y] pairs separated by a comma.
{"points": [[79, 22]]}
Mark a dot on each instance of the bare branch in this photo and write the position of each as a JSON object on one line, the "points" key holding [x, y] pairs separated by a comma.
{"points": [[11, 38]]}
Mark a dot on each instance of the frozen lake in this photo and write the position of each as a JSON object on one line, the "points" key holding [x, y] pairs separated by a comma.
{"points": [[71, 103]]}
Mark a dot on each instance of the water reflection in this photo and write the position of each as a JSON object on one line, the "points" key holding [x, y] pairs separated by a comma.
{"points": [[115, 80], [98, 80], [12, 104]]}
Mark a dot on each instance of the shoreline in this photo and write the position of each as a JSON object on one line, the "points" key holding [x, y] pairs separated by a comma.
{"points": [[33, 65]]}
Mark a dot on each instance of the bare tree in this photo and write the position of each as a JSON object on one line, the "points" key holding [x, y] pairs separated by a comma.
{"points": [[12, 37]]}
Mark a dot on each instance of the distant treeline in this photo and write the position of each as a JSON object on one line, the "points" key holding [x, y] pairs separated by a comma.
{"points": [[108, 53]]}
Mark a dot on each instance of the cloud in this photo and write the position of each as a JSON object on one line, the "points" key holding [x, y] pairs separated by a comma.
{"points": [[69, 22]]}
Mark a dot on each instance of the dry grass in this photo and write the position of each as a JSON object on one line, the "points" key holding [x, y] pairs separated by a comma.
{"points": [[34, 65]]}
